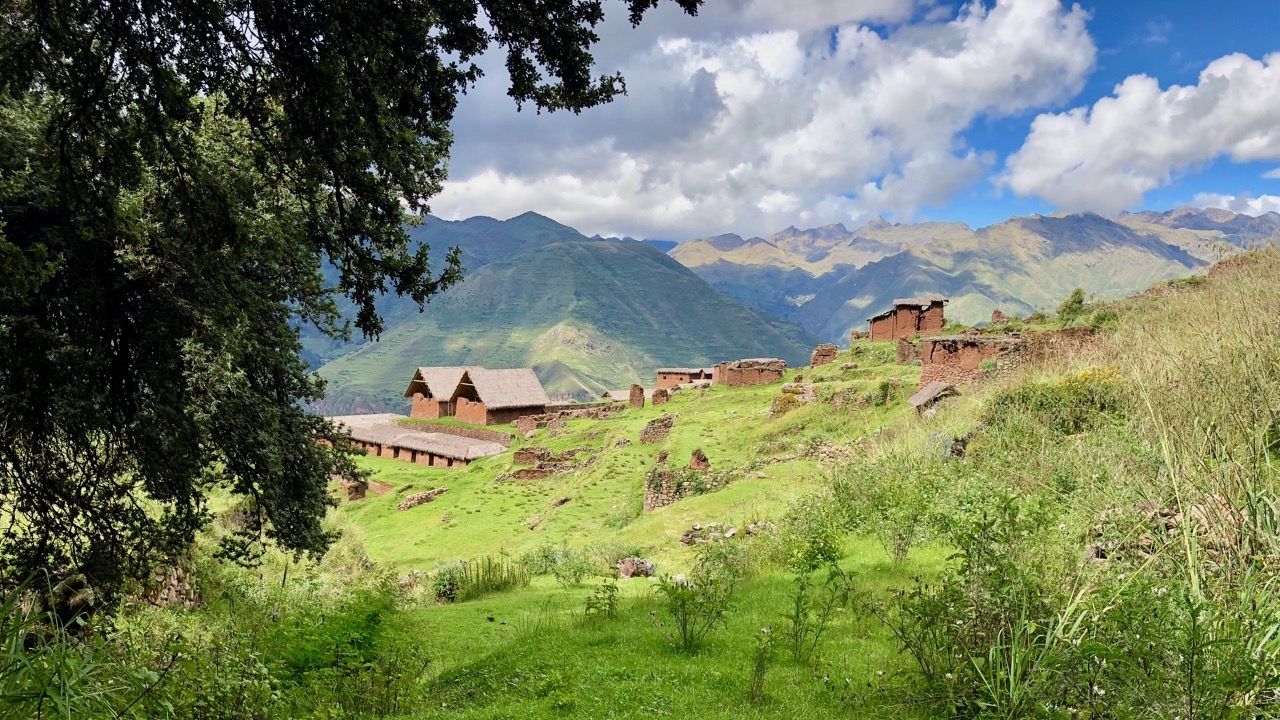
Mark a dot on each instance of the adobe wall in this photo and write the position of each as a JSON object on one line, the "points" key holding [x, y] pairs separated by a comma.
{"points": [[636, 397], [670, 380], [472, 433], [906, 322], [424, 408], [932, 320], [736, 374], [882, 328], [958, 361], [471, 412]]}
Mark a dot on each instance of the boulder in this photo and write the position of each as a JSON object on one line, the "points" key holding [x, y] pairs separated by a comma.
{"points": [[634, 567]]}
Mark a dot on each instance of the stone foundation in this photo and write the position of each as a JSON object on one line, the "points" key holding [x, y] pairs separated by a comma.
{"points": [[655, 430], [664, 486]]}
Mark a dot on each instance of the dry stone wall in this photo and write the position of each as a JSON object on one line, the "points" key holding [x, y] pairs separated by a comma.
{"points": [[959, 360], [495, 436], [664, 486], [824, 354], [657, 429]]}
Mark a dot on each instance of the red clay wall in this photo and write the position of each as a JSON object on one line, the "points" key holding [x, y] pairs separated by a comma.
{"points": [[425, 408], [932, 320], [471, 412], [670, 380], [906, 323], [882, 328], [746, 377]]}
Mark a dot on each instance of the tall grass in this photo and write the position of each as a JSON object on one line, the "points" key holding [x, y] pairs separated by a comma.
{"points": [[470, 579]]}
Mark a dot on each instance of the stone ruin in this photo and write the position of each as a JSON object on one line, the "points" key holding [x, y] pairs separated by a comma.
{"points": [[699, 462], [793, 395], [998, 318], [746, 373], [657, 429], [173, 585], [526, 424], [636, 399], [661, 396], [545, 462], [665, 485], [355, 490], [417, 499], [958, 360], [699, 533], [907, 352], [635, 567], [824, 354]]}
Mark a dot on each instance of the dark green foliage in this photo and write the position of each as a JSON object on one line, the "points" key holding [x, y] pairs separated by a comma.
{"points": [[809, 616], [1072, 307], [172, 178]]}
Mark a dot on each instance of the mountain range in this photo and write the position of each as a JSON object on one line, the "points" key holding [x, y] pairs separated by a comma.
{"points": [[829, 279], [591, 314], [588, 315]]}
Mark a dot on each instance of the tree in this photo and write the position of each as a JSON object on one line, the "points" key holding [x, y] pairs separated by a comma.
{"points": [[1072, 307], [173, 178]]}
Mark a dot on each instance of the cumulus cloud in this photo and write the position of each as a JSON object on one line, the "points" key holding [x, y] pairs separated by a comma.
{"points": [[1105, 158], [767, 114], [1243, 204]]}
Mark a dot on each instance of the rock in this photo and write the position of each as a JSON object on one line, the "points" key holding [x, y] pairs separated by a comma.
{"points": [[635, 567], [419, 498], [660, 397]]}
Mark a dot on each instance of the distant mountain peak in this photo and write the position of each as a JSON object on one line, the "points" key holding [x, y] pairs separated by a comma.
{"points": [[877, 223]]}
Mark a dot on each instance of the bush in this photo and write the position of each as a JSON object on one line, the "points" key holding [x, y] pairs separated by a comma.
{"points": [[694, 605], [1072, 307], [892, 498], [812, 534]]}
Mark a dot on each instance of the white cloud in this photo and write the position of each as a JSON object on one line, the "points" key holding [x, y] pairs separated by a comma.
{"points": [[1243, 204], [1105, 158], [777, 114], [1272, 174]]}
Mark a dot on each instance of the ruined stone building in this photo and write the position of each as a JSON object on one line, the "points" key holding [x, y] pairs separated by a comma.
{"points": [[432, 390], [753, 371], [494, 397], [379, 435], [671, 377], [958, 360], [909, 317]]}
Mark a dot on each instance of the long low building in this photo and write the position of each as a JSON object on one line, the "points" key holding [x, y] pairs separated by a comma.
{"points": [[378, 435]]}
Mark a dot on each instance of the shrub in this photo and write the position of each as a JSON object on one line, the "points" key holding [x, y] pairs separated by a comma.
{"points": [[892, 498], [1072, 307], [694, 605], [602, 603], [812, 534], [761, 659], [808, 616]]}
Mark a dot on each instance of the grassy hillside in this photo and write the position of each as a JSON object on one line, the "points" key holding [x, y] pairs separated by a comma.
{"points": [[1095, 536], [589, 316]]}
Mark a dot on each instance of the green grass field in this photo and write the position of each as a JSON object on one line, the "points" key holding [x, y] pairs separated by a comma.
{"points": [[482, 515]]}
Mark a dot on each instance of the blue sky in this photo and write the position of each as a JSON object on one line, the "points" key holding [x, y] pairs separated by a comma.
{"points": [[758, 115]]}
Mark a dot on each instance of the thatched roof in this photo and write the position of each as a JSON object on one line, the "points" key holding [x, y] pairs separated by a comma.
{"points": [[498, 389], [930, 393], [438, 382]]}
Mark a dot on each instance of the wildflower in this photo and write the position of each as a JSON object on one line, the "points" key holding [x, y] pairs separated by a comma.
{"points": [[950, 676], [1099, 691], [879, 673]]}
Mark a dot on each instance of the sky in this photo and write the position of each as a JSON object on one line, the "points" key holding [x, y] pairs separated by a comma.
{"points": [[758, 115]]}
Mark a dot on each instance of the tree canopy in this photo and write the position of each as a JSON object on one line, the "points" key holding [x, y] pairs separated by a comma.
{"points": [[173, 178]]}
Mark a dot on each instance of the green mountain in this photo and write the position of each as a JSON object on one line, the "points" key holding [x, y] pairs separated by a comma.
{"points": [[587, 315], [829, 280]]}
